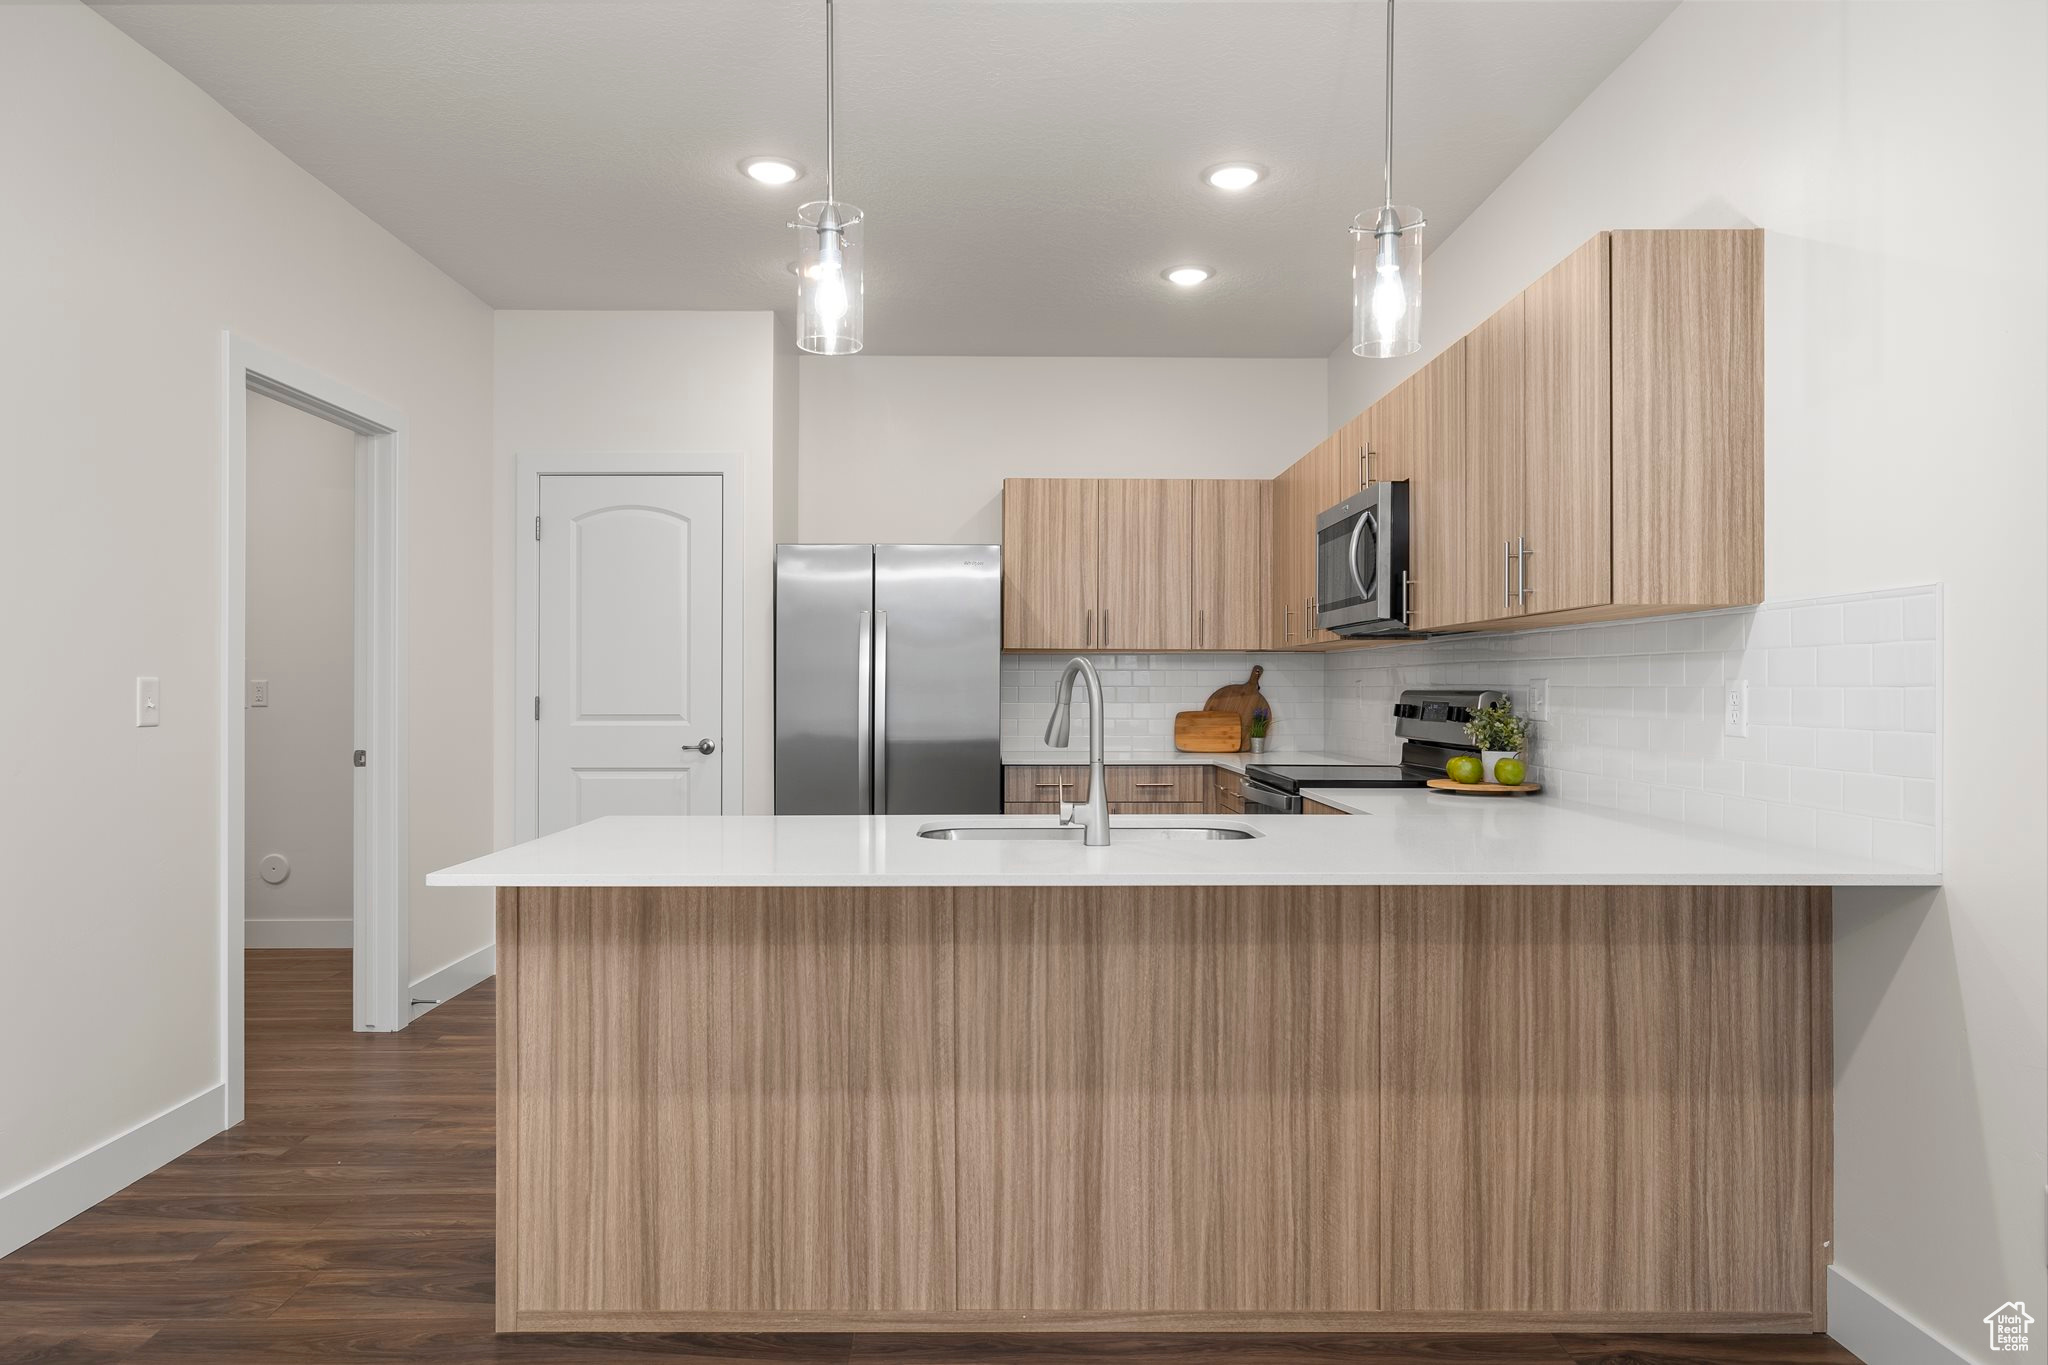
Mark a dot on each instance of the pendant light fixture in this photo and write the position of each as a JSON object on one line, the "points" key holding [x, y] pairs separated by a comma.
{"points": [[1386, 259], [828, 292]]}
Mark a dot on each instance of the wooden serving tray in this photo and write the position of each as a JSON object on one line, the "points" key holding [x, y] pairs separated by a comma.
{"points": [[1444, 784]]}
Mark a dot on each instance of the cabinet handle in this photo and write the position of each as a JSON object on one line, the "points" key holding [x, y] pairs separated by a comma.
{"points": [[1309, 630], [1286, 624], [1201, 625], [1521, 570], [1507, 596], [1365, 466], [1088, 629], [1105, 627], [1152, 784]]}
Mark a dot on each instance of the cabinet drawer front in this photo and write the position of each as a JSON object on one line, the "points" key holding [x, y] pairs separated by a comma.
{"points": [[1228, 783], [1157, 808], [1157, 782], [1047, 784]]}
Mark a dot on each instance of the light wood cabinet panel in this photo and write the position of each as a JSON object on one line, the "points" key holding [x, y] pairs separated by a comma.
{"points": [[1231, 563], [1021, 783], [727, 1100], [1313, 807], [1165, 1099], [1051, 540], [1157, 781], [1483, 580], [1145, 595], [1526, 1168], [1688, 417], [928, 1109], [1291, 552], [1568, 491], [1433, 409]]}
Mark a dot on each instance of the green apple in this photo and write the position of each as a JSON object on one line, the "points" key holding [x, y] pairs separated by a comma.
{"points": [[1509, 772], [1465, 768]]}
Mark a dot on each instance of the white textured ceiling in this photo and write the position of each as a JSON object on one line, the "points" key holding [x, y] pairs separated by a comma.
{"points": [[1027, 166]]}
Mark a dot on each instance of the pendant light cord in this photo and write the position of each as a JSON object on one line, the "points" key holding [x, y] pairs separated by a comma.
{"points": [[830, 196], [1388, 164]]}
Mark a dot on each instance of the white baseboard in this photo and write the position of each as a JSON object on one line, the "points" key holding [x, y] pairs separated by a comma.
{"points": [[63, 1192], [455, 978], [1880, 1332], [298, 933]]}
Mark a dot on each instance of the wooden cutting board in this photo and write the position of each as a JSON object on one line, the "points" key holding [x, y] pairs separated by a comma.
{"points": [[1208, 732], [1243, 698]]}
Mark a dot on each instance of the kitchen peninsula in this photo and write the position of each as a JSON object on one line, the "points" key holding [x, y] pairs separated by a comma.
{"points": [[1445, 1064]]}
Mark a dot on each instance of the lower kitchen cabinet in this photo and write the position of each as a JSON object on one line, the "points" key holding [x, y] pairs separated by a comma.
{"points": [[1312, 807], [1134, 788]]}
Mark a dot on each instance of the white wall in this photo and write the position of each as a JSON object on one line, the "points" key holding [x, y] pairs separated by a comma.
{"points": [[640, 383], [301, 642], [1895, 155], [916, 448], [147, 221]]}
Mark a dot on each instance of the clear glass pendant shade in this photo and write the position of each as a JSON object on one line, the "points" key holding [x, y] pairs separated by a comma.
{"points": [[1386, 282], [829, 286]]}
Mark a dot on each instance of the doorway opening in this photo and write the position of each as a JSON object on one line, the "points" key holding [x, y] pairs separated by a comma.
{"points": [[285, 403]]}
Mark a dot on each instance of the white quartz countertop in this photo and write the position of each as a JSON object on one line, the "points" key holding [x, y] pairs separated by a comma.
{"points": [[1038, 756], [1400, 837]]}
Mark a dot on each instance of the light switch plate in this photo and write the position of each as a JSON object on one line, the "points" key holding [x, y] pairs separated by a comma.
{"points": [[148, 709], [1539, 699], [259, 691], [1735, 710]]}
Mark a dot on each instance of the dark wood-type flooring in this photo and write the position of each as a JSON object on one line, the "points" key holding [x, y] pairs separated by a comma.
{"points": [[349, 1219]]}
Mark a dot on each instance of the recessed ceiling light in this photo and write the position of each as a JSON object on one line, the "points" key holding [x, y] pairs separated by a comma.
{"points": [[771, 170], [1187, 276], [1234, 175]]}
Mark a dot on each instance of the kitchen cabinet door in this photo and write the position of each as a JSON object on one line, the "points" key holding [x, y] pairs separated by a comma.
{"points": [[1291, 551], [1483, 581], [1688, 417], [1232, 521], [1568, 536], [1417, 433], [1144, 593], [1050, 545]]}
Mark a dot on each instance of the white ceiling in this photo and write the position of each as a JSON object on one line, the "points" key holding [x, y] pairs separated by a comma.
{"points": [[1027, 166]]}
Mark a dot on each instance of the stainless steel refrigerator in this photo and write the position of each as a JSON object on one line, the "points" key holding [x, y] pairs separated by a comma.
{"points": [[888, 679]]}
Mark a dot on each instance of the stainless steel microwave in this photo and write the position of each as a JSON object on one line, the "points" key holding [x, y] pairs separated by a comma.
{"points": [[1362, 562]]}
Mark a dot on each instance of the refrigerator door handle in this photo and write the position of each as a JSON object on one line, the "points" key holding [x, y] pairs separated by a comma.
{"points": [[864, 712], [881, 805]]}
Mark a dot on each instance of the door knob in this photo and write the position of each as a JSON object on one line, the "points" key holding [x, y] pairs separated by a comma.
{"points": [[703, 746]]}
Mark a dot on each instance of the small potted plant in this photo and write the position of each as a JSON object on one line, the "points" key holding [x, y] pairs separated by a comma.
{"points": [[1261, 718], [1499, 733]]}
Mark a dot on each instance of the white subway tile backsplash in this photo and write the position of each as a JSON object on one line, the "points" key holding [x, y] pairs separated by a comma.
{"points": [[1141, 693], [1844, 708], [1843, 714]]}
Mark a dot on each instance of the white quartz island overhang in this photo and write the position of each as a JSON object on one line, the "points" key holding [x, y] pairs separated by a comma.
{"points": [[1396, 838], [1448, 1064]]}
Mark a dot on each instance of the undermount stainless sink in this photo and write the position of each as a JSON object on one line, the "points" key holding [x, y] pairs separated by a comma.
{"points": [[1119, 834]]}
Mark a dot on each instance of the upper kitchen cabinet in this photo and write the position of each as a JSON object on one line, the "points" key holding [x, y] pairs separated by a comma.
{"points": [[1614, 436], [1145, 594], [1231, 526], [1050, 540], [1303, 491], [1417, 433], [1135, 564], [1562, 557], [1688, 381]]}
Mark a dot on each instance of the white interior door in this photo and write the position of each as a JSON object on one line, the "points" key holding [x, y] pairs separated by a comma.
{"points": [[630, 636]]}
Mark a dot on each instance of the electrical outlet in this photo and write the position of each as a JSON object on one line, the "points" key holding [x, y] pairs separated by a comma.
{"points": [[1735, 711], [1539, 699], [147, 711], [259, 691]]}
